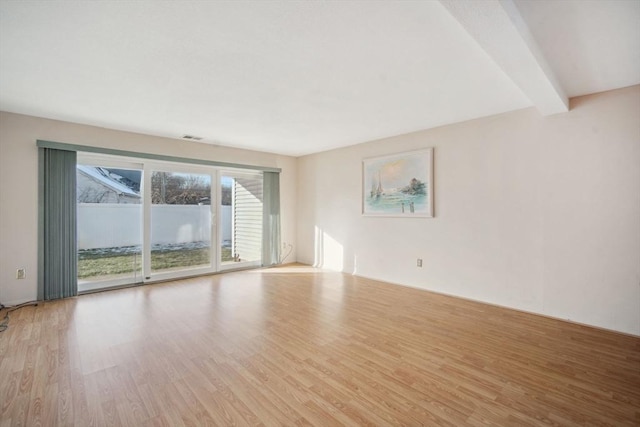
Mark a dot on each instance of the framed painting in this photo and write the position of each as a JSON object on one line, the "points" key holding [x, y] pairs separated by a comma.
{"points": [[399, 185]]}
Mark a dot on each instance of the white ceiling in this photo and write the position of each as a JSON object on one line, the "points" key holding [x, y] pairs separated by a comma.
{"points": [[302, 77]]}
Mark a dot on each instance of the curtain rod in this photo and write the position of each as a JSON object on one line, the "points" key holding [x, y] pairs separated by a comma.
{"points": [[161, 157]]}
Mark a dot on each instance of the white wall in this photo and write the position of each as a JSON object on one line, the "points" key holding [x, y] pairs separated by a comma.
{"points": [[19, 185], [535, 213]]}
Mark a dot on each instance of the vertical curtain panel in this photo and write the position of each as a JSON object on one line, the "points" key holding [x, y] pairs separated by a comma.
{"points": [[57, 260], [271, 219]]}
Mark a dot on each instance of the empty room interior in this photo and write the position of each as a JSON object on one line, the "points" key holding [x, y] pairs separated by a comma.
{"points": [[320, 213]]}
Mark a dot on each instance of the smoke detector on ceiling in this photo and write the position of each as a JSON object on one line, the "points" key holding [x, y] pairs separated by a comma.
{"points": [[192, 138]]}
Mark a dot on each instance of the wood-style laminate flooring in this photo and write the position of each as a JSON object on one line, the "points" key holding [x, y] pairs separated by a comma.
{"points": [[298, 346]]}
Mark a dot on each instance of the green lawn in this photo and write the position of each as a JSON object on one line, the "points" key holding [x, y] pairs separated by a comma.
{"points": [[92, 264]]}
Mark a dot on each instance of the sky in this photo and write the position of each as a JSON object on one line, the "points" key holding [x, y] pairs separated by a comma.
{"points": [[396, 171]]}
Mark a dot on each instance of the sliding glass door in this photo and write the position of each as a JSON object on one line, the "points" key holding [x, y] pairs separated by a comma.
{"points": [[241, 220], [109, 223], [149, 221], [181, 229]]}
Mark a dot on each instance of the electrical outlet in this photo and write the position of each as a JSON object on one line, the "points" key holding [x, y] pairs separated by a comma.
{"points": [[419, 263], [21, 273]]}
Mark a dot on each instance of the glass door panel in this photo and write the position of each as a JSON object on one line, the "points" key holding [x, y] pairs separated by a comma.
{"points": [[180, 221], [109, 209], [241, 220]]}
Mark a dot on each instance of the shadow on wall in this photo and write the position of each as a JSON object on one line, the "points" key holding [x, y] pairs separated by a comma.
{"points": [[329, 252]]}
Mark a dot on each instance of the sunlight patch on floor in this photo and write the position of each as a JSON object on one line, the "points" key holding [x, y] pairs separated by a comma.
{"points": [[289, 269]]}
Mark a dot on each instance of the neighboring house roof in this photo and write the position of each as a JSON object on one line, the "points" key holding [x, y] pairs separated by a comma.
{"points": [[104, 177]]}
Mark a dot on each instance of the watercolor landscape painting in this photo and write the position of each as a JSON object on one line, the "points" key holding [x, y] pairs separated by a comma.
{"points": [[398, 185]]}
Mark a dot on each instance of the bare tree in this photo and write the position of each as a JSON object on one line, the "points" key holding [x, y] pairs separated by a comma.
{"points": [[92, 195], [174, 189]]}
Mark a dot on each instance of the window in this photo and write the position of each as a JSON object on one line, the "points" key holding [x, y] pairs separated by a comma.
{"points": [[242, 208], [181, 215], [109, 223]]}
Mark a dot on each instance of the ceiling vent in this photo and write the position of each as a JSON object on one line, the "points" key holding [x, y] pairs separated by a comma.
{"points": [[192, 138]]}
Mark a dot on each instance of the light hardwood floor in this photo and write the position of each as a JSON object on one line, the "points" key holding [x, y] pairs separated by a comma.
{"points": [[297, 346]]}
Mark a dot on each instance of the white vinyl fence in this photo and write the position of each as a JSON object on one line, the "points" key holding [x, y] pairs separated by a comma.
{"points": [[112, 225]]}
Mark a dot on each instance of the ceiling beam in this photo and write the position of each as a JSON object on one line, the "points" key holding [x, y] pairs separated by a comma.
{"points": [[498, 27]]}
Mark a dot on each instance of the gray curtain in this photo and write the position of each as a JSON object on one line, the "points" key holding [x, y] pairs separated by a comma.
{"points": [[57, 263], [271, 219]]}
